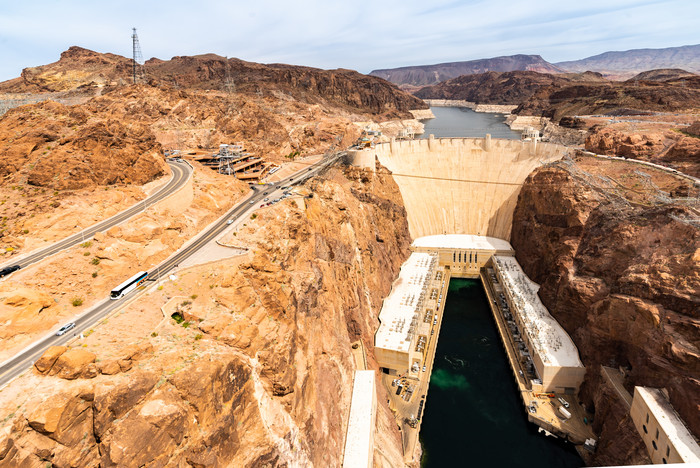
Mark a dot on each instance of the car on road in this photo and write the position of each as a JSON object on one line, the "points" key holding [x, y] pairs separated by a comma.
{"points": [[7, 270], [424, 368], [65, 328], [230, 221], [252, 202], [265, 193], [267, 199]]}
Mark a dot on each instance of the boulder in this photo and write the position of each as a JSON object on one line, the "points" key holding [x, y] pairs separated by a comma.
{"points": [[47, 360], [110, 367], [124, 364], [137, 351], [73, 363]]}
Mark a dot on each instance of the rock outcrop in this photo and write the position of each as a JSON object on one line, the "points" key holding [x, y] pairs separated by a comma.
{"points": [[623, 279], [60, 147], [665, 147]]}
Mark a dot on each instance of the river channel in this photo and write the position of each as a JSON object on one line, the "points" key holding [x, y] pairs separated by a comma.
{"points": [[473, 414]]}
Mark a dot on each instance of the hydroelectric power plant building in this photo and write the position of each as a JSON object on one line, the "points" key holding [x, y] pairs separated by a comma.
{"points": [[542, 341], [407, 314]]}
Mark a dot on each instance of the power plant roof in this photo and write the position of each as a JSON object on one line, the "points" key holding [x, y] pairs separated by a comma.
{"points": [[462, 241], [551, 342], [398, 315]]}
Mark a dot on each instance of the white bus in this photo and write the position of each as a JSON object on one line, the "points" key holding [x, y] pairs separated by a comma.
{"points": [[129, 285]]}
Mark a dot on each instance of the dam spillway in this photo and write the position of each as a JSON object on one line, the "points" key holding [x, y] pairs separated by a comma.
{"points": [[459, 185]]}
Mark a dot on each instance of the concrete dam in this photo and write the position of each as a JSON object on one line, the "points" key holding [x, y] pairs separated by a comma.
{"points": [[459, 185], [460, 195]]}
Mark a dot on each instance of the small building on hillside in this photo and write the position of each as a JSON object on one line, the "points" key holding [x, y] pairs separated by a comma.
{"points": [[666, 437]]}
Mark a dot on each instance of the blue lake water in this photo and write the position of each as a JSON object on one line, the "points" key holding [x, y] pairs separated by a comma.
{"points": [[473, 414], [463, 122]]}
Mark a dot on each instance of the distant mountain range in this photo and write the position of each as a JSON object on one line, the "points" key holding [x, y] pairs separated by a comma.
{"points": [[619, 65], [613, 65], [424, 75]]}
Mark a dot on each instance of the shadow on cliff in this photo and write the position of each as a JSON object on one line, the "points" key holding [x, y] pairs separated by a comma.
{"points": [[501, 220]]}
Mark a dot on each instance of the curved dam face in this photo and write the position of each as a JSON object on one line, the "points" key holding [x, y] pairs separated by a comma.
{"points": [[460, 185]]}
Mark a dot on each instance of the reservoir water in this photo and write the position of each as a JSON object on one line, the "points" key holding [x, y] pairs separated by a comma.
{"points": [[464, 122], [473, 413]]}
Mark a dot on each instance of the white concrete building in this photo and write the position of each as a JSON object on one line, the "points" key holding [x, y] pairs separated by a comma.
{"points": [[359, 440], [397, 343], [553, 353], [666, 437]]}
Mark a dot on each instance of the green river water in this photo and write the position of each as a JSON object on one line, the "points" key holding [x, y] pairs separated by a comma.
{"points": [[473, 414]]}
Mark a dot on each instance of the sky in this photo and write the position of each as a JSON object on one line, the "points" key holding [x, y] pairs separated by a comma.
{"points": [[362, 35]]}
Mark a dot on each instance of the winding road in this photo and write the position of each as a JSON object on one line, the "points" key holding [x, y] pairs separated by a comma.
{"points": [[181, 173], [22, 361]]}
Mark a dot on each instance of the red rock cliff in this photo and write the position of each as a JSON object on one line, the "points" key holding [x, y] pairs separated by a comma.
{"points": [[624, 281]]}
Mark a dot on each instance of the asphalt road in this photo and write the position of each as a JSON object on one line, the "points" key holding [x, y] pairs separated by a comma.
{"points": [[22, 361], [181, 172]]}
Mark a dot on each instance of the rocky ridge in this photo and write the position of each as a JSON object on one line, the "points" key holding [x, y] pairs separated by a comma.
{"points": [[512, 87], [423, 75], [84, 69], [566, 95]]}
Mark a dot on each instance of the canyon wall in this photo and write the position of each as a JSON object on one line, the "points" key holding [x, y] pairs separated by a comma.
{"points": [[460, 185], [260, 371], [619, 270]]}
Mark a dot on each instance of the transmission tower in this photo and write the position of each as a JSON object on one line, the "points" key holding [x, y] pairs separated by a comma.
{"points": [[228, 83], [137, 57]]}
